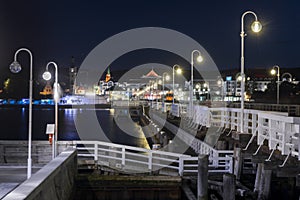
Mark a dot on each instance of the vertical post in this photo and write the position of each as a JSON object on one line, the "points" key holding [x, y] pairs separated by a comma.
{"points": [[265, 183], [123, 156], [95, 152], [53, 146], [150, 160], [243, 76], [278, 79], [202, 183], [29, 160], [242, 64], [173, 86], [56, 96], [228, 187], [258, 177], [237, 163], [181, 165]]}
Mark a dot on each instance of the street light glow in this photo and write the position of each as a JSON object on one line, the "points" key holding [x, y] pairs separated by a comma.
{"points": [[199, 58], [47, 75], [167, 77], [273, 71], [178, 70], [256, 26]]}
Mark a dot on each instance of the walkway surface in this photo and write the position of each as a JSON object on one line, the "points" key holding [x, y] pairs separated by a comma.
{"points": [[11, 177]]}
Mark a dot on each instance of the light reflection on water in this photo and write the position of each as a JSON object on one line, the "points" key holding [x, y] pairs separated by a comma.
{"points": [[14, 123]]}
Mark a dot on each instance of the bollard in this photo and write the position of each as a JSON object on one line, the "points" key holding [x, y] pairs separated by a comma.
{"points": [[228, 187], [237, 163], [258, 177], [265, 183], [202, 185]]}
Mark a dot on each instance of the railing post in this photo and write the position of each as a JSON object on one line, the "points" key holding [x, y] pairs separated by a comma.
{"points": [[215, 156], [150, 160], [228, 186], [181, 166], [123, 156], [95, 152], [254, 123]]}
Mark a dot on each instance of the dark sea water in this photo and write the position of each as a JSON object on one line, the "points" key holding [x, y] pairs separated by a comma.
{"points": [[14, 125]]}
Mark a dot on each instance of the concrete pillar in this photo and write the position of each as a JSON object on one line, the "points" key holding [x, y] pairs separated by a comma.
{"points": [[237, 163], [228, 187], [258, 177], [265, 184], [202, 184]]}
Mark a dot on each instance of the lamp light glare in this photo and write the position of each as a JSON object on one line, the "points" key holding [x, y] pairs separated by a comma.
{"points": [[179, 71], [47, 75], [199, 58], [167, 77], [273, 71], [256, 26]]}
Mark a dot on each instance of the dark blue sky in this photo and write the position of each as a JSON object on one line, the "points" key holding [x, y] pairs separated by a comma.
{"points": [[56, 30]]}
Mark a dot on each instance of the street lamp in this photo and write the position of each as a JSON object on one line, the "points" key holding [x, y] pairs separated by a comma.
{"points": [[206, 90], [199, 59], [256, 27], [273, 72], [283, 77], [15, 67], [165, 74], [47, 77], [220, 83], [178, 71]]}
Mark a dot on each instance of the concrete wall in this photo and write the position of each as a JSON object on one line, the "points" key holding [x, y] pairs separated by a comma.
{"points": [[54, 181], [16, 151]]}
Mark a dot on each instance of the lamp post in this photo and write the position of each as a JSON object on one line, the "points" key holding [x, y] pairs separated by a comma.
{"points": [[199, 59], [206, 85], [178, 71], [256, 27], [165, 74], [15, 67], [220, 83], [285, 79], [273, 71], [47, 76]]}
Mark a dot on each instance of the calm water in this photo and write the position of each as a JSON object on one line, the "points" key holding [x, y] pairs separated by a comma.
{"points": [[91, 124]]}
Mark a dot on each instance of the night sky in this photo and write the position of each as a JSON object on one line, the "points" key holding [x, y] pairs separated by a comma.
{"points": [[57, 30]]}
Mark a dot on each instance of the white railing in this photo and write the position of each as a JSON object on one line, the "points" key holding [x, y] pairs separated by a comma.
{"points": [[281, 132], [135, 159], [197, 145]]}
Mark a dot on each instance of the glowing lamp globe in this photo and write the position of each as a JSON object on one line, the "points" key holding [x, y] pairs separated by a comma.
{"points": [[178, 71], [256, 26], [47, 76], [273, 71], [15, 67], [199, 59]]}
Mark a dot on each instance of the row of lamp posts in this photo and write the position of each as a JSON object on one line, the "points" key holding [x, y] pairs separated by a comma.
{"points": [[15, 67]]}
